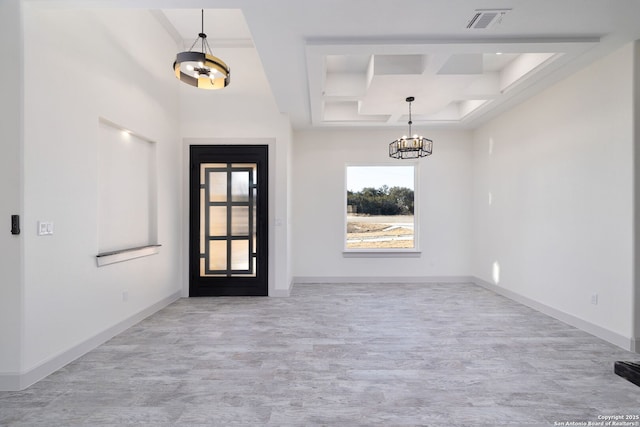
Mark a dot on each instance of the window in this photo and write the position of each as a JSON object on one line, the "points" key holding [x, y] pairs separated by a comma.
{"points": [[380, 208]]}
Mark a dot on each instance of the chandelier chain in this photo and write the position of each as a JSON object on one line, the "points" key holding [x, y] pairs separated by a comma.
{"points": [[410, 121], [208, 47], [194, 43]]}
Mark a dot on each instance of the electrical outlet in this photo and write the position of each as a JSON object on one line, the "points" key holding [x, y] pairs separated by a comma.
{"points": [[125, 296], [594, 299]]}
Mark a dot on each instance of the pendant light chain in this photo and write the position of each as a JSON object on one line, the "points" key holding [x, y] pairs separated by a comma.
{"points": [[410, 121], [194, 43]]}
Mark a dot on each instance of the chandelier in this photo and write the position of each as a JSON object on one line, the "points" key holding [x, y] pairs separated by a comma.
{"points": [[410, 147], [201, 69]]}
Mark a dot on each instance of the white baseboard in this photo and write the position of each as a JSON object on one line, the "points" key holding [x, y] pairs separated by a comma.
{"points": [[626, 343], [281, 292], [379, 279], [14, 381]]}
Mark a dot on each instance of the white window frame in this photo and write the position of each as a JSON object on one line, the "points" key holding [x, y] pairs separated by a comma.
{"points": [[385, 252]]}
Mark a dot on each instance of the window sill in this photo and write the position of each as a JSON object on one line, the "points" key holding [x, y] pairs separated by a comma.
{"points": [[377, 253]]}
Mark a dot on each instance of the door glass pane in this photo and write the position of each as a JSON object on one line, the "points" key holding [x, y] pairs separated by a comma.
{"points": [[218, 221], [239, 254], [240, 221], [217, 186], [218, 255], [240, 186]]}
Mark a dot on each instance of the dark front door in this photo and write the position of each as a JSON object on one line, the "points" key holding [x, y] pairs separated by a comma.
{"points": [[228, 220]]}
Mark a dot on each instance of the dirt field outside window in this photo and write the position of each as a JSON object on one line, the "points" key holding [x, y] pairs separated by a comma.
{"points": [[380, 232]]}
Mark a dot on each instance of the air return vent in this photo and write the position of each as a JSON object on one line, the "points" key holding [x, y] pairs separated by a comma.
{"points": [[485, 18]]}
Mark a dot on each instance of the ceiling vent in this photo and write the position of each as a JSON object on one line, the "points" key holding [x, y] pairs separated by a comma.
{"points": [[485, 18]]}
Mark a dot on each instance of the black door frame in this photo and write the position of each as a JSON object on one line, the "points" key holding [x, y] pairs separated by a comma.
{"points": [[229, 286]]}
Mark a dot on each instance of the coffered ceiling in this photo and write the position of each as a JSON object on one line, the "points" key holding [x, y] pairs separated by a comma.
{"points": [[353, 63]]}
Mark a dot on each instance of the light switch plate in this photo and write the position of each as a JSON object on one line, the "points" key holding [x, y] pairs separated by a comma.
{"points": [[45, 228]]}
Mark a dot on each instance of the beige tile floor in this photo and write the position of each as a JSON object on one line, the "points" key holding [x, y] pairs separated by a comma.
{"points": [[338, 355]]}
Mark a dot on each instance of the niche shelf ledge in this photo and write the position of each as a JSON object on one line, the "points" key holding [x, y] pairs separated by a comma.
{"points": [[106, 258]]}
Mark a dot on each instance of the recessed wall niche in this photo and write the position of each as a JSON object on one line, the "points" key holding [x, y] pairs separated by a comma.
{"points": [[127, 194]]}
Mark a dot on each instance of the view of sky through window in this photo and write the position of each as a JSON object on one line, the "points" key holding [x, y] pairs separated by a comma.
{"points": [[359, 177]]}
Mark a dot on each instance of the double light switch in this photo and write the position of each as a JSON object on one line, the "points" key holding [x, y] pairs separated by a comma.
{"points": [[45, 228]]}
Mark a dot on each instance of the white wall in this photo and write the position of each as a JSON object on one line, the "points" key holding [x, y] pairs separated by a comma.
{"points": [[319, 160], [244, 113], [560, 171], [81, 65], [10, 186]]}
